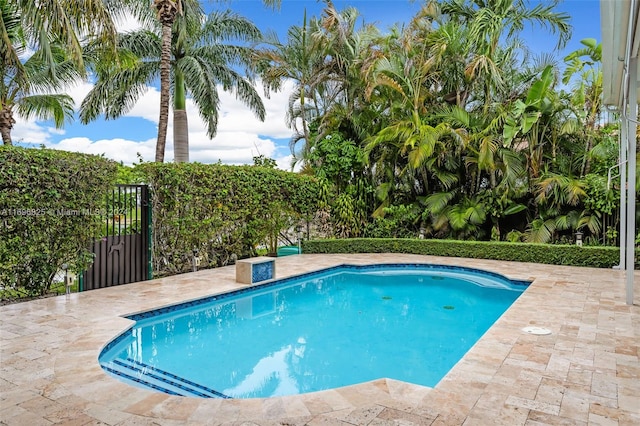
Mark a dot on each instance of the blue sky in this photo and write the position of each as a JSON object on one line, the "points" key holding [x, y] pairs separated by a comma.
{"points": [[240, 135]]}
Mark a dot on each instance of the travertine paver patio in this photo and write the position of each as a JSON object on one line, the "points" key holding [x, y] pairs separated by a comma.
{"points": [[586, 372]]}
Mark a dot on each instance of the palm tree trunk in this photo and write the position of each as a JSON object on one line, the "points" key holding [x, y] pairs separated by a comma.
{"points": [[6, 124], [167, 11], [180, 136], [305, 128], [6, 135], [586, 164], [165, 65], [586, 161], [180, 123]]}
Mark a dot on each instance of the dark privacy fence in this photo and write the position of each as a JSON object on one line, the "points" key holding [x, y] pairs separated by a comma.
{"points": [[122, 252]]}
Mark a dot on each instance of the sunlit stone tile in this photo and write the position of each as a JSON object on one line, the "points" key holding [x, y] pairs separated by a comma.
{"points": [[588, 366], [390, 416], [574, 408], [539, 418]]}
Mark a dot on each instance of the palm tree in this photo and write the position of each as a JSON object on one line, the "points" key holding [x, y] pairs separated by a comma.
{"points": [[324, 58], [12, 40], [66, 22], [526, 119], [405, 74], [27, 87], [167, 12], [301, 60], [200, 62], [490, 21], [587, 90], [348, 49], [54, 29], [451, 40], [463, 218], [204, 56], [558, 199]]}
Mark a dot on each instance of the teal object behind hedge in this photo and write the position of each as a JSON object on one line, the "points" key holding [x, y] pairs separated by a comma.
{"points": [[288, 250]]}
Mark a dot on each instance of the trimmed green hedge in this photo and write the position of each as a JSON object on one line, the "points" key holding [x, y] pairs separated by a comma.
{"points": [[51, 207], [221, 211], [598, 257]]}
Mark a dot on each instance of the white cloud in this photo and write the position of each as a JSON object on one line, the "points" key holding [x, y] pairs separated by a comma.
{"points": [[232, 141], [202, 151], [32, 133], [148, 107], [240, 135], [234, 116], [284, 163], [78, 92], [117, 149]]}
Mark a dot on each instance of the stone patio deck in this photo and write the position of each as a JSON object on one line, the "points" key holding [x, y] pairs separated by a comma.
{"points": [[586, 372]]}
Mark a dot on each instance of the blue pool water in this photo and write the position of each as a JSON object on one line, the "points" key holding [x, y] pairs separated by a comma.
{"points": [[327, 329]]}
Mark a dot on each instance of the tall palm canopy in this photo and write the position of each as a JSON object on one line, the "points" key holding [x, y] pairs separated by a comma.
{"points": [[67, 22], [202, 59], [28, 86], [167, 12], [489, 21], [464, 130], [43, 52], [323, 58]]}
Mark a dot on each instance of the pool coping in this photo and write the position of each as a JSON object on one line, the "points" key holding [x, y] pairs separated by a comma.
{"points": [[49, 369]]}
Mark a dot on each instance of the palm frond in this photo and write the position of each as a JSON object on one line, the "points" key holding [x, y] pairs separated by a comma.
{"points": [[540, 231], [436, 203], [592, 222], [115, 96], [59, 108], [227, 25]]}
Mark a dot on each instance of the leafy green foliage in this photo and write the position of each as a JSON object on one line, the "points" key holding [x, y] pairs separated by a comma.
{"points": [[50, 207], [262, 161], [336, 159], [340, 166], [217, 211], [599, 198], [397, 222], [129, 175], [453, 117], [599, 257]]}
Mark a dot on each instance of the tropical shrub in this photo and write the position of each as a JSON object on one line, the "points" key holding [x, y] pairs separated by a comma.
{"points": [[339, 164], [51, 205]]}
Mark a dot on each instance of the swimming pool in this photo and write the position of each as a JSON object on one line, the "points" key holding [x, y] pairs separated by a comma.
{"points": [[331, 328]]}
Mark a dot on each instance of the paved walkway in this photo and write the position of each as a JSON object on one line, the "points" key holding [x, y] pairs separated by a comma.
{"points": [[586, 372]]}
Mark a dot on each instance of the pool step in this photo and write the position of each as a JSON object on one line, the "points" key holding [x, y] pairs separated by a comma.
{"points": [[198, 388], [131, 376], [159, 380]]}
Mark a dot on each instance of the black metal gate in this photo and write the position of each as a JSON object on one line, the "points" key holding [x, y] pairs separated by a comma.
{"points": [[122, 254]]}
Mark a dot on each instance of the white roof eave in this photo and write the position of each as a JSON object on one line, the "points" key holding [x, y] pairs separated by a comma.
{"points": [[614, 24]]}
